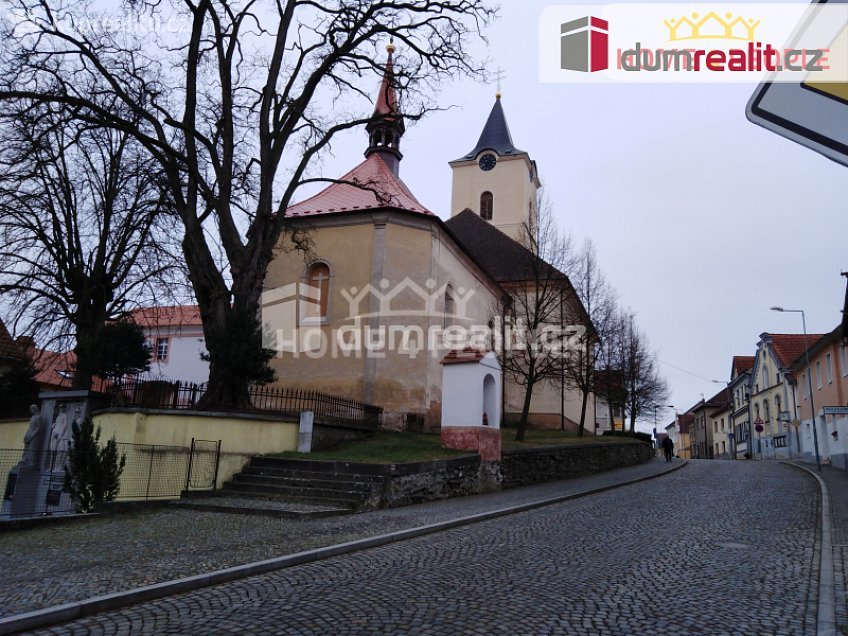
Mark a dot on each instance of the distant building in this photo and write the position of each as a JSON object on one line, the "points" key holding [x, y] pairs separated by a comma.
{"points": [[740, 394], [773, 399], [176, 340]]}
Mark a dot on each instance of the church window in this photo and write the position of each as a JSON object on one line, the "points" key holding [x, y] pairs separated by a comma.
{"points": [[487, 204], [316, 294], [162, 347], [449, 306]]}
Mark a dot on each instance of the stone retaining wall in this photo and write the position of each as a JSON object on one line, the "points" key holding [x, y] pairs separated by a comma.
{"points": [[406, 484], [532, 466]]}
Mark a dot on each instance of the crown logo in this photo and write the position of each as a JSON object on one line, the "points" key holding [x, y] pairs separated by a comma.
{"points": [[426, 303], [711, 27]]}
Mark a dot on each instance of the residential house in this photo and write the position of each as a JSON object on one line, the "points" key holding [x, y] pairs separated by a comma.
{"points": [[773, 398], [740, 394], [703, 434], [828, 370], [177, 344], [718, 424], [679, 433]]}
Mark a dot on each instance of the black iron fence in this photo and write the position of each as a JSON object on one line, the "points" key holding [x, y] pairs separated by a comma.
{"points": [[32, 481], [328, 409]]}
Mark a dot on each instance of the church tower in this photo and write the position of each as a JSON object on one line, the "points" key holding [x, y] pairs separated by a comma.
{"points": [[386, 126], [497, 180]]}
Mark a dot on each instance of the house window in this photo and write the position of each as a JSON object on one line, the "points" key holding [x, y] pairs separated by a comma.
{"points": [[828, 365], [487, 204], [316, 295], [777, 406], [766, 411], [163, 345], [765, 379], [805, 384], [843, 353], [818, 375]]}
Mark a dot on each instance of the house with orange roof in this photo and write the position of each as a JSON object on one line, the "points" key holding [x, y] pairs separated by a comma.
{"points": [[176, 340], [388, 288], [826, 406], [773, 401]]}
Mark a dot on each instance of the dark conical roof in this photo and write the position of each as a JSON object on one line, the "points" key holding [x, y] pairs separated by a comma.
{"points": [[495, 135]]}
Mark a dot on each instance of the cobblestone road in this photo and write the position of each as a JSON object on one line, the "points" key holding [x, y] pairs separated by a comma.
{"points": [[716, 548]]}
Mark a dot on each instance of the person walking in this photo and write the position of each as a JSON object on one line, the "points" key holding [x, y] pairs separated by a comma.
{"points": [[668, 448]]}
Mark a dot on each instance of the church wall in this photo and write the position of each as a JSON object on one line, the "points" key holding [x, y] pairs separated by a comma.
{"points": [[545, 407], [343, 248], [477, 301], [510, 184]]}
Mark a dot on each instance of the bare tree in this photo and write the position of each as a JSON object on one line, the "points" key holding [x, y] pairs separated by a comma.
{"points": [[236, 108], [598, 301], [642, 384], [542, 309], [83, 227]]}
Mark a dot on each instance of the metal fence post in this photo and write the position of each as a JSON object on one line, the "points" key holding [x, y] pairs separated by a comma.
{"points": [[188, 472], [149, 472], [217, 463]]}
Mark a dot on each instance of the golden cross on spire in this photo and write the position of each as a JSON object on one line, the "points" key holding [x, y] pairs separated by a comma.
{"points": [[499, 75]]}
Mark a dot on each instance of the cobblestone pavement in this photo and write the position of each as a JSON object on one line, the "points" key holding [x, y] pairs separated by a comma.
{"points": [[716, 548], [46, 566]]}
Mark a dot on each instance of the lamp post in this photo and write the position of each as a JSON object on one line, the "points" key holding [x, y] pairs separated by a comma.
{"points": [[809, 376]]}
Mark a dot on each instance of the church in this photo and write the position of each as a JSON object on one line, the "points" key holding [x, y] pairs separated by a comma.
{"points": [[388, 289]]}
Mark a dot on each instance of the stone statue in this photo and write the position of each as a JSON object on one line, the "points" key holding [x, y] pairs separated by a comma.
{"points": [[32, 438], [59, 434]]}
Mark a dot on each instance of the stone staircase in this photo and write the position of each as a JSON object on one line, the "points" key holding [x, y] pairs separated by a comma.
{"points": [[331, 485]]}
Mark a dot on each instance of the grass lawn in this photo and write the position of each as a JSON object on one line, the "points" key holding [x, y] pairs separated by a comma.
{"points": [[385, 447], [389, 447]]}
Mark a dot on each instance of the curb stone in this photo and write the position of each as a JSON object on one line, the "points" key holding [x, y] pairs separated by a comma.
{"points": [[826, 615]]}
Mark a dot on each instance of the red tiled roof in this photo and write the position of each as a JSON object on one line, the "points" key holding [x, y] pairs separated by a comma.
{"points": [[8, 349], [173, 316], [460, 356], [741, 364], [790, 346], [370, 185], [55, 369]]}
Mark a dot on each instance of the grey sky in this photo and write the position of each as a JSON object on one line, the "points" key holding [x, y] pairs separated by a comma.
{"points": [[702, 220]]}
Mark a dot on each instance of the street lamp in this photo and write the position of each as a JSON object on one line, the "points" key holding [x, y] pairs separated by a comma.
{"points": [[809, 376]]}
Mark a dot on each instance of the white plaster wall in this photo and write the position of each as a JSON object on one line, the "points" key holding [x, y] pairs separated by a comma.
{"points": [[462, 392], [184, 362]]}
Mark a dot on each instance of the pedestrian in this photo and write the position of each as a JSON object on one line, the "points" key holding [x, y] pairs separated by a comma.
{"points": [[668, 448]]}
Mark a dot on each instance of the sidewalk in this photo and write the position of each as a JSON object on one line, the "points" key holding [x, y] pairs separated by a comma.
{"points": [[48, 566], [837, 486]]}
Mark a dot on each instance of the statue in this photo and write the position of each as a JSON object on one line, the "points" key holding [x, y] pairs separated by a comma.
{"points": [[59, 432], [32, 437]]}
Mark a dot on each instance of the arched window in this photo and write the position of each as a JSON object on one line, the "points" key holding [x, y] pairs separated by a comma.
{"points": [[316, 292], [487, 204], [449, 306], [766, 410]]}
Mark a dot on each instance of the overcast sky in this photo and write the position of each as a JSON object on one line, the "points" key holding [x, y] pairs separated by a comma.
{"points": [[701, 220]]}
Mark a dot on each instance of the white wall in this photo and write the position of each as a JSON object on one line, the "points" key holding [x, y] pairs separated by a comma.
{"points": [[462, 393], [184, 362]]}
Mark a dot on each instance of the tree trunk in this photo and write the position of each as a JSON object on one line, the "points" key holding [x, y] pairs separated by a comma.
{"points": [[611, 415], [525, 412], [583, 406]]}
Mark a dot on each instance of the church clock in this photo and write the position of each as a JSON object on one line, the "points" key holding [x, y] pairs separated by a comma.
{"points": [[487, 162]]}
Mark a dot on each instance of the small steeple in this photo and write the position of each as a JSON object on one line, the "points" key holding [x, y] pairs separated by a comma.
{"points": [[386, 126], [495, 135]]}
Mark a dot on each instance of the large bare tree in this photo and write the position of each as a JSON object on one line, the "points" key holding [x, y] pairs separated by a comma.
{"points": [[643, 386], [236, 102], [598, 301], [543, 310], [84, 225]]}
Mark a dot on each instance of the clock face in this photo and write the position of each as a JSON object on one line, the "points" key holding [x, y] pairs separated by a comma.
{"points": [[487, 162]]}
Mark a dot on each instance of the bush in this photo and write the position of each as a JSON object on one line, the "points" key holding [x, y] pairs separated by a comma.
{"points": [[93, 473], [642, 437]]}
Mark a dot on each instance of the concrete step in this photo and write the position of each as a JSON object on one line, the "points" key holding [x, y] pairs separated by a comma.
{"points": [[260, 506], [319, 466], [306, 495], [311, 474], [313, 480]]}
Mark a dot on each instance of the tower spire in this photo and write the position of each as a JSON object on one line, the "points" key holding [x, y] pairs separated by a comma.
{"points": [[386, 126]]}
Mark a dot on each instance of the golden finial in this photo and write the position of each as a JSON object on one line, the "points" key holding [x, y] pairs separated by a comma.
{"points": [[500, 75], [390, 47]]}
